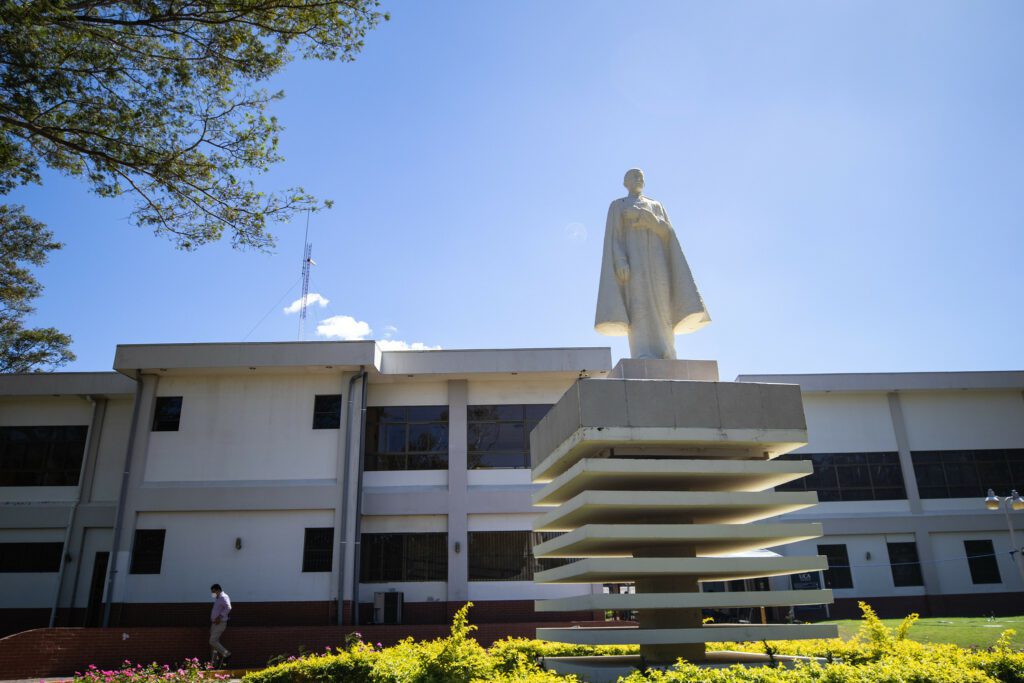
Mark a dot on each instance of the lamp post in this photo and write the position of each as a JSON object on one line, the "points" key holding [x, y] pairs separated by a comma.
{"points": [[994, 502]]}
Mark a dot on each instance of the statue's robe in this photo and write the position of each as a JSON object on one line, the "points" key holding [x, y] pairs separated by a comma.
{"points": [[659, 299]]}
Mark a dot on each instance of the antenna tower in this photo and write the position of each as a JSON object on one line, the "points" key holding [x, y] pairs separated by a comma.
{"points": [[307, 261]]}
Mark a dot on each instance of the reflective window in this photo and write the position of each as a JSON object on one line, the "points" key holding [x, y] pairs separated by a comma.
{"points": [[41, 456], [167, 414], [905, 565], [318, 549], [838, 574], [403, 557], [407, 438], [981, 560], [508, 555], [30, 557], [499, 435], [147, 551], [327, 411], [968, 473], [850, 476]]}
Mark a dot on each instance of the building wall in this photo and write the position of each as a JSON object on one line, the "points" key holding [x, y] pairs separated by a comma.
{"points": [[245, 428]]}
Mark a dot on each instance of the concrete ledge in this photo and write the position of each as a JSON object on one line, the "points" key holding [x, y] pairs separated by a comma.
{"points": [[631, 601], [676, 636], [626, 569], [668, 507], [646, 442], [686, 410], [696, 370], [619, 540], [617, 474]]}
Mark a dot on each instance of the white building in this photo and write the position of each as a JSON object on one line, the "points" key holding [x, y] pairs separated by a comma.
{"points": [[256, 466]]}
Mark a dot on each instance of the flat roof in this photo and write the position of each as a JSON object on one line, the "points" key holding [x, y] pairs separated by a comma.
{"points": [[66, 384], [896, 381], [331, 356]]}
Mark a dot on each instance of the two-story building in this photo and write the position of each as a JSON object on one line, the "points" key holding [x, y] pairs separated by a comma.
{"points": [[308, 476]]}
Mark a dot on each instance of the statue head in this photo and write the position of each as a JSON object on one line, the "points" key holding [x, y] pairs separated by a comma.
{"points": [[634, 181]]}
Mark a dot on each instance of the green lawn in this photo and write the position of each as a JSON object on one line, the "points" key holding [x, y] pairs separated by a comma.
{"points": [[966, 632]]}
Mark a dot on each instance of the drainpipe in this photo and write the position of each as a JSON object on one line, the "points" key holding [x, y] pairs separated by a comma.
{"points": [[89, 436], [344, 491], [359, 505], [122, 500]]}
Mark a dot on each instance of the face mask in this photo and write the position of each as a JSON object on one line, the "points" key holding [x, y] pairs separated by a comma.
{"points": [[213, 595]]}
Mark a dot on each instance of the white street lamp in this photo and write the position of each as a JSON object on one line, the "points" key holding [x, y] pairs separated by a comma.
{"points": [[994, 502]]}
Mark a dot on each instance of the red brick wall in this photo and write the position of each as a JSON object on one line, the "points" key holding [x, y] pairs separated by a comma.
{"points": [[62, 651], [962, 605]]}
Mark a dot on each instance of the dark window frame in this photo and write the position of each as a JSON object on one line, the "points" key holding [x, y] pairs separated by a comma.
{"points": [[905, 564], [167, 413], [508, 555], [967, 473], [42, 455], [982, 562], [318, 549], [483, 421], [418, 557], [411, 426], [839, 574], [31, 557], [874, 475], [327, 411], [148, 551]]}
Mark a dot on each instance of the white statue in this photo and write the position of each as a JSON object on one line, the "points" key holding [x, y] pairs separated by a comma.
{"points": [[646, 289]]}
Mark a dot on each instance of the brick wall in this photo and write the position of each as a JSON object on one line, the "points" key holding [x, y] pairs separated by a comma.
{"points": [[62, 651], [963, 605]]}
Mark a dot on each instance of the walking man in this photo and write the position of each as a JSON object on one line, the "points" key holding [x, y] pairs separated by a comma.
{"points": [[218, 622]]}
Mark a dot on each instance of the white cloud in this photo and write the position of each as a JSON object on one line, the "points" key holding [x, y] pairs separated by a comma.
{"points": [[397, 345], [343, 327], [347, 328], [311, 299], [576, 231]]}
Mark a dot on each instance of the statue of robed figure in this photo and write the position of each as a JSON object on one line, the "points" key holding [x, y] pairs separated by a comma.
{"points": [[646, 289]]}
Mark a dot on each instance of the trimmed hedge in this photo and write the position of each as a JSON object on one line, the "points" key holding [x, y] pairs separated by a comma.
{"points": [[877, 654]]}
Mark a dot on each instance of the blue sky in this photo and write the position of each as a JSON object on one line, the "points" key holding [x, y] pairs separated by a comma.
{"points": [[845, 179]]}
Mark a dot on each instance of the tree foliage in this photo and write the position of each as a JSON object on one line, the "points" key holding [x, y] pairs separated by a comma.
{"points": [[25, 242], [159, 101]]}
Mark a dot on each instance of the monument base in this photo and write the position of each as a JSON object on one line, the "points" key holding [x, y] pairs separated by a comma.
{"points": [[656, 368], [608, 669]]}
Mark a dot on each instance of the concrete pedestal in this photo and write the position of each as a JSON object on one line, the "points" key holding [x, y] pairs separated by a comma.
{"points": [[654, 480]]}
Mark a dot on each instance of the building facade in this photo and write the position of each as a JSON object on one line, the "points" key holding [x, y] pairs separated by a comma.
{"points": [[318, 481]]}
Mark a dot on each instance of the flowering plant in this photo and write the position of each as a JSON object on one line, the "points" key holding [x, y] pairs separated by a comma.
{"points": [[190, 671]]}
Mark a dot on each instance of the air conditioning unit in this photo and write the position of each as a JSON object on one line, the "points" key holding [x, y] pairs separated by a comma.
{"points": [[387, 607]]}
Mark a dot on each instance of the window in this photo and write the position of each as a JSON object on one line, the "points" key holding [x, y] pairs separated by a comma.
{"points": [[508, 555], [905, 565], [981, 559], [318, 549], [407, 438], [41, 456], [147, 551], [850, 476], [967, 473], [327, 411], [167, 414], [403, 557], [838, 574], [30, 557], [499, 436]]}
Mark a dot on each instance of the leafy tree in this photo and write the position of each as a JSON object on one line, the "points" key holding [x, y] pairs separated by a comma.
{"points": [[158, 100], [24, 241]]}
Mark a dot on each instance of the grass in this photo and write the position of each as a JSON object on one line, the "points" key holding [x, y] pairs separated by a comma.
{"points": [[963, 631]]}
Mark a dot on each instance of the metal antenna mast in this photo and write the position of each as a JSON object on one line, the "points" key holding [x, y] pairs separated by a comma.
{"points": [[307, 261]]}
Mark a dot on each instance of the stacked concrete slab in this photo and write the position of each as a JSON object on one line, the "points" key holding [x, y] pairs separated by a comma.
{"points": [[661, 475]]}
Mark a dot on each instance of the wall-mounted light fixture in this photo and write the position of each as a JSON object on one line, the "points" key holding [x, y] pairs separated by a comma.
{"points": [[238, 544], [867, 555], [458, 547]]}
